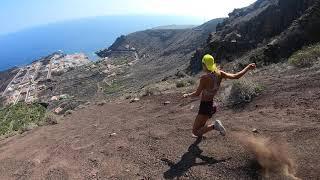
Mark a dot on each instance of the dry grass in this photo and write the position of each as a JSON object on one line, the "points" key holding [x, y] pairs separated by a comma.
{"points": [[185, 82], [180, 84], [306, 57], [243, 91], [150, 91], [50, 119]]}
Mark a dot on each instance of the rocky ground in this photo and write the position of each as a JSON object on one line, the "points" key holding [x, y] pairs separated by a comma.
{"points": [[150, 140]]}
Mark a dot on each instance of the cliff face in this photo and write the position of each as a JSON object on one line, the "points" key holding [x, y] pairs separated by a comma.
{"points": [[274, 29]]}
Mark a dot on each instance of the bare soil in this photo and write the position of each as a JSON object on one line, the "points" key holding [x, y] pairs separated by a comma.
{"points": [[150, 140]]}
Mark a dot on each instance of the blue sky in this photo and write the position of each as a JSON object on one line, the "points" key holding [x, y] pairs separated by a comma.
{"points": [[16, 15]]}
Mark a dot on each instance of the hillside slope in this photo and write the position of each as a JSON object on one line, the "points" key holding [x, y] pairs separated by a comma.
{"points": [[160, 51], [150, 140]]}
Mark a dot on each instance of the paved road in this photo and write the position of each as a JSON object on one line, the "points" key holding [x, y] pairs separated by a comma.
{"points": [[49, 70], [22, 81]]}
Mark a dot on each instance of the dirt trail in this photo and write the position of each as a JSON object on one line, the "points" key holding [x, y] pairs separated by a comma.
{"points": [[150, 140]]}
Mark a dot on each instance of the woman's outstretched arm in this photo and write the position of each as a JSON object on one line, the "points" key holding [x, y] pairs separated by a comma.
{"points": [[238, 74], [198, 91]]}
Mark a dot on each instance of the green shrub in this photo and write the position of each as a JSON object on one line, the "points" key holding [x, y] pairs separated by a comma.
{"points": [[191, 81], [20, 116], [68, 112], [27, 127], [150, 91], [306, 57], [185, 82], [180, 74], [50, 119], [180, 84], [112, 88], [120, 61], [243, 91]]}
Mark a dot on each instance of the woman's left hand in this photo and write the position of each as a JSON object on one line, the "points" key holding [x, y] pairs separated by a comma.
{"points": [[186, 95]]}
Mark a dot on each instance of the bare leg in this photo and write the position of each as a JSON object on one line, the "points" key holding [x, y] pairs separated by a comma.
{"points": [[206, 129], [200, 127]]}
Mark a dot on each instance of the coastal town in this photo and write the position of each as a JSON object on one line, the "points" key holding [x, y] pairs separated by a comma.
{"points": [[30, 79]]}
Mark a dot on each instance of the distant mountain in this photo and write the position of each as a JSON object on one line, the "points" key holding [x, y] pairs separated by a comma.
{"points": [[84, 35], [174, 26]]}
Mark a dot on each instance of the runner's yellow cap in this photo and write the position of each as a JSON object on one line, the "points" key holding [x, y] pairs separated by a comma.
{"points": [[208, 60]]}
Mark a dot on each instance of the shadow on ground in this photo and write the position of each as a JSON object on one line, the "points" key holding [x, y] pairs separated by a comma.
{"points": [[188, 160]]}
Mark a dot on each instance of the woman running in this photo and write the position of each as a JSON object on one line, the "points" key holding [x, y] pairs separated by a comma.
{"points": [[208, 88]]}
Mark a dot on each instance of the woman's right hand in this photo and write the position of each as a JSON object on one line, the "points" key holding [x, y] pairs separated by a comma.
{"points": [[252, 66]]}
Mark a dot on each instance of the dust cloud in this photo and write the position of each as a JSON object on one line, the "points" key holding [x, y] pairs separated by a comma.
{"points": [[273, 156]]}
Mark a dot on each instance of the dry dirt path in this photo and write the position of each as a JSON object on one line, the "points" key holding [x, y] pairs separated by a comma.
{"points": [[150, 140]]}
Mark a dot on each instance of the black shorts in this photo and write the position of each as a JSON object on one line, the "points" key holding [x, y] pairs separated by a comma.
{"points": [[207, 108]]}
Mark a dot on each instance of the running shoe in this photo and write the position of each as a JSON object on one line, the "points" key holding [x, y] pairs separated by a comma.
{"points": [[219, 127]]}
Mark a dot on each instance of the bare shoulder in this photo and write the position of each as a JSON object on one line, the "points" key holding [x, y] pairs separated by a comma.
{"points": [[204, 77]]}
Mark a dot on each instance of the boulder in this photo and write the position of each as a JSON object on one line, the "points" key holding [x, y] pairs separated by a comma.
{"points": [[113, 134], [101, 103], [64, 96], [54, 98], [167, 102], [134, 100], [255, 130]]}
